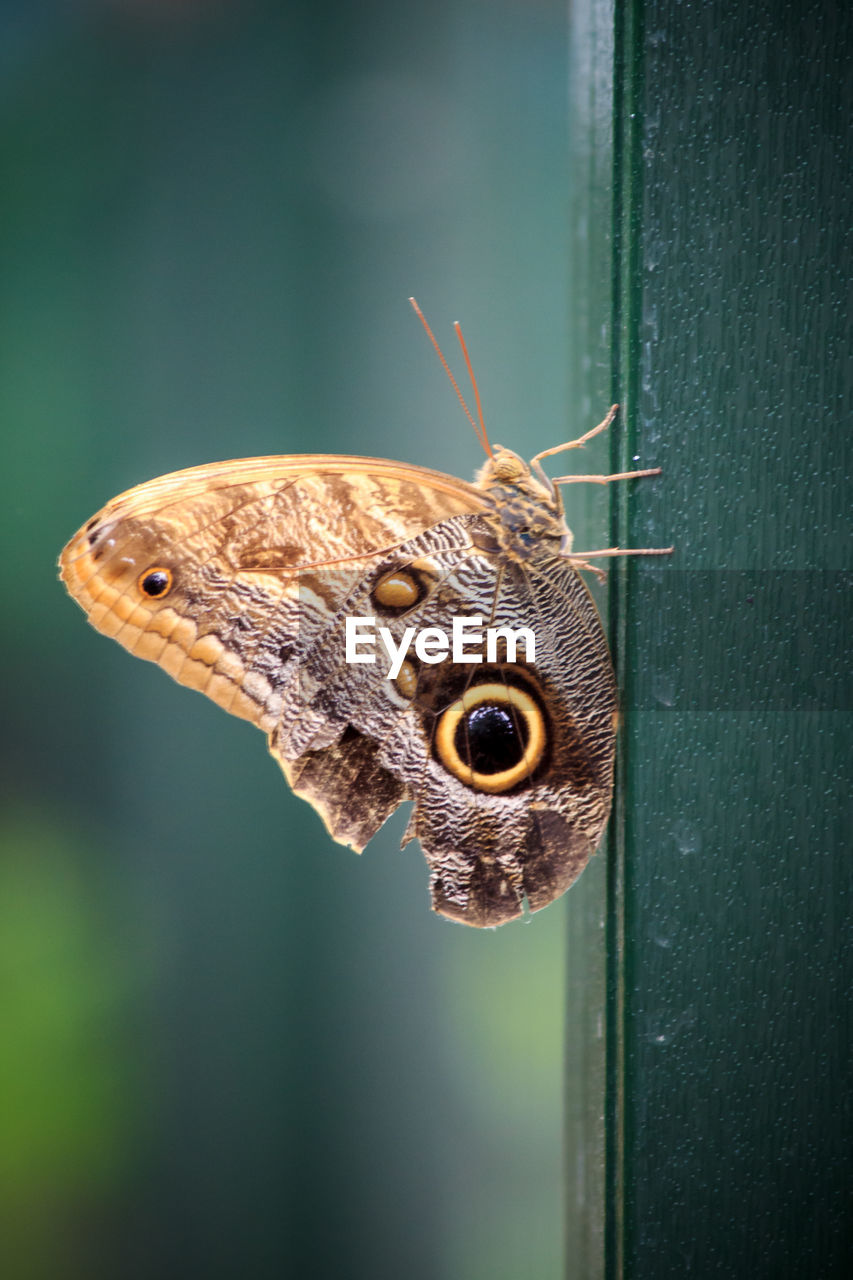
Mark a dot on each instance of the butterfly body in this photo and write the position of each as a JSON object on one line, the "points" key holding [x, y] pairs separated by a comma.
{"points": [[238, 578]]}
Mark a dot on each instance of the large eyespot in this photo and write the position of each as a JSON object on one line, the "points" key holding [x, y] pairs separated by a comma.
{"points": [[156, 582], [492, 737], [400, 589]]}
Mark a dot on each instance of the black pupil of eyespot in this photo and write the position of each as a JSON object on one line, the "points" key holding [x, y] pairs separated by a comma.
{"points": [[490, 738], [154, 584]]}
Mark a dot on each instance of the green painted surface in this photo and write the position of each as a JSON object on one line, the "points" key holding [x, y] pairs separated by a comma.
{"points": [[590, 253], [732, 993]]}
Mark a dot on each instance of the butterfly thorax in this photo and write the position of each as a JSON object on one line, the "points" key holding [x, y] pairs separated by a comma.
{"points": [[525, 510]]}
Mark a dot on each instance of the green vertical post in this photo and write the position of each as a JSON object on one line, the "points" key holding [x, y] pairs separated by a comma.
{"points": [[729, 1083]]}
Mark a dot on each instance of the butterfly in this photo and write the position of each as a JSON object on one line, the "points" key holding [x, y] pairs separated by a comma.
{"points": [[309, 594]]}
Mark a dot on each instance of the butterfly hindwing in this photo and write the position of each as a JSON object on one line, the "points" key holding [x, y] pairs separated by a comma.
{"points": [[488, 851]]}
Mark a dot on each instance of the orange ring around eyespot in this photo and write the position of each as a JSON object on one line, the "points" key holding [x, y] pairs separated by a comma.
{"points": [[534, 721], [156, 568]]}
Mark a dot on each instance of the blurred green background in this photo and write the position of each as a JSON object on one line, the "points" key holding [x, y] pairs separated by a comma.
{"points": [[230, 1046]]}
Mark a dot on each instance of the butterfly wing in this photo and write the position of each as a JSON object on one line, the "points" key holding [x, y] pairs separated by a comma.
{"points": [[237, 548], [494, 837], [237, 579]]}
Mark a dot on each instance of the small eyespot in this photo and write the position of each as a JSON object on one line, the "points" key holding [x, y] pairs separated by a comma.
{"points": [[397, 590], [400, 589], [407, 680], [492, 738], [156, 582]]}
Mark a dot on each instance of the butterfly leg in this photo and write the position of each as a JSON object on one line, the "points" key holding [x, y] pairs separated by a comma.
{"points": [[619, 475], [536, 463], [581, 441], [581, 559], [586, 567]]}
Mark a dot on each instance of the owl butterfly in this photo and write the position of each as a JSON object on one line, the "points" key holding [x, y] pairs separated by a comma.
{"points": [[238, 579]]}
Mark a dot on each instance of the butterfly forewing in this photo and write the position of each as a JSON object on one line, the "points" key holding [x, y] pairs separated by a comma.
{"points": [[240, 540]]}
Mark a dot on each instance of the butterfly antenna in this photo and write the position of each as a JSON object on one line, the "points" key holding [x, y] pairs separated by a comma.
{"points": [[483, 437], [480, 431]]}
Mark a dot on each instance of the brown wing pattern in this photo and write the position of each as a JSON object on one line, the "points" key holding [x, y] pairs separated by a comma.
{"points": [[237, 579], [488, 854], [242, 540]]}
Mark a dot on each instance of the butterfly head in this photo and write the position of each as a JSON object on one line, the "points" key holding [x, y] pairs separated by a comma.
{"points": [[527, 508], [505, 470]]}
